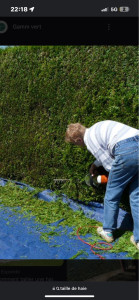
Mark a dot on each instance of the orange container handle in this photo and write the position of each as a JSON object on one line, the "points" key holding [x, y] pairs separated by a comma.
{"points": [[104, 179]]}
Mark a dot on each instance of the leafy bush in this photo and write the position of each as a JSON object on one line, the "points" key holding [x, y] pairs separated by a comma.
{"points": [[42, 90]]}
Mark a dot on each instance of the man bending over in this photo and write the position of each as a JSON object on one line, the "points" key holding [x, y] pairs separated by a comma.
{"points": [[115, 147]]}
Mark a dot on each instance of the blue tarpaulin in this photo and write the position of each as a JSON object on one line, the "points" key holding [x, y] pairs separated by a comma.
{"points": [[21, 238]]}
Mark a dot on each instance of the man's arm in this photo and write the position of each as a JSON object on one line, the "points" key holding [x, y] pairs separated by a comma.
{"points": [[94, 168]]}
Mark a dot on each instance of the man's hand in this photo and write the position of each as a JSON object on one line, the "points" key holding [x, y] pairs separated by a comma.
{"points": [[94, 170]]}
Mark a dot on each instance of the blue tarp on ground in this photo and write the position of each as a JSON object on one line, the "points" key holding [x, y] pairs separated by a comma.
{"points": [[21, 238]]}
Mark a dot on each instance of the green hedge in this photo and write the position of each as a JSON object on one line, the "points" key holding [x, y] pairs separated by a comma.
{"points": [[42, 90]]}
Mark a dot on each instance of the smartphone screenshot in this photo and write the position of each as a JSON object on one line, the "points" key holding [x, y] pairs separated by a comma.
{"points": [[69, 204]]}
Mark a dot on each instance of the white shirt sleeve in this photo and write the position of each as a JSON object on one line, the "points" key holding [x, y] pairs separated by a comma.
{"points": [[103, 158], [97, 163], [100, 152]]}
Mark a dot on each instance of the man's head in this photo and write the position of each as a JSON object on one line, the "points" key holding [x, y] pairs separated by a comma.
{"points": [[75, 134]]}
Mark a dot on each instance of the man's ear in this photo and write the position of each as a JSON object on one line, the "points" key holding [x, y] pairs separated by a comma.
{"points": [[79, 139]]}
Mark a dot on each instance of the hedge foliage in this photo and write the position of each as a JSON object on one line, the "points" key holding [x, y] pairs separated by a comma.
{"points": [[42, 90]]}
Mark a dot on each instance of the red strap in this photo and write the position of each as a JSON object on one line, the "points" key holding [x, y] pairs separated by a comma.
{"points": [[94, 245]]}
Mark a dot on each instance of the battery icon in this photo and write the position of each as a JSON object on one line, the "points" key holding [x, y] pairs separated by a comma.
{"points": [[124, 9]]}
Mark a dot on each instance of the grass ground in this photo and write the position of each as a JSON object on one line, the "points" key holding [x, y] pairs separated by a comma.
{"points": [[48, 212]]}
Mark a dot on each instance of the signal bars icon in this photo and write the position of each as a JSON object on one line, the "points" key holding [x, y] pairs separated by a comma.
{"points": [[106, 9]]}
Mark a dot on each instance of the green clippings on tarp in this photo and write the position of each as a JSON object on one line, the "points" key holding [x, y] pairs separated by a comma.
{"points": [[80, 252], [53, 233], [44, 237], [56, 246], [123, 244], [24, 204], [44, 212]]}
